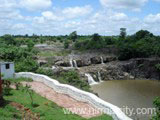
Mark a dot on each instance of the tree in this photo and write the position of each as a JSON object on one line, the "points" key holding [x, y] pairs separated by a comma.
{"points": [[73, 36], [9, 40], [96, 37], [30, 45], [123, 33], [28, 90], [66, 44], [142, 34]]}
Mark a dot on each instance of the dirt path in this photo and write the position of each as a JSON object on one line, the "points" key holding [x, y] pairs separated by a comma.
{"points": [[82, 109]]}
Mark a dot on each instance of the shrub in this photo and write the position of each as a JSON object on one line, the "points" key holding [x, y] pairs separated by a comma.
{"points": [[43, 71], [26, 65], [73, 78], [157, 106]]}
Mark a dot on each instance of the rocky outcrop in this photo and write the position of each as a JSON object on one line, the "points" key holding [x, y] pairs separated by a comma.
{"points": [[84, 62], [142, 68], [42, 62], [109, 59], [96, 60], [63, 63]]}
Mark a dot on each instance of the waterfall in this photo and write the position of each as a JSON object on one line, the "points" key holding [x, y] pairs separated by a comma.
{"points": [[71, 63], [75, 64], [99, 77], [90, 79], [102, 61]]}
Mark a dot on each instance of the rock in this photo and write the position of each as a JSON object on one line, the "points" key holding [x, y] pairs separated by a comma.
{"points": [[80, 63], [63, 63], [83, 62], [96, 60], [109, 59], [42, 62]]}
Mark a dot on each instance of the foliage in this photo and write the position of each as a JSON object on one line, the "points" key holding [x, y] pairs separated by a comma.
{"points": [[28, 90], [157, 67], [123, 33], [47, 109], [73, 36], [11, 50], [66, 44], [6, 87], [94, 42], [157, 106], [26, 65], [72, 77], [141, 44], [44, 71]]}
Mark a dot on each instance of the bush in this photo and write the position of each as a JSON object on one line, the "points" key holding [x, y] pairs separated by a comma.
{"points": [[43, 71], [157, 106], [73, 78], [26, 65], [66, 44]]}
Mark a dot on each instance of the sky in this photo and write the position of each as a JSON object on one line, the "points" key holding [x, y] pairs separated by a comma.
{"points": [[61, 17]]}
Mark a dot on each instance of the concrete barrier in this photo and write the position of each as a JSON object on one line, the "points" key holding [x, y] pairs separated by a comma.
{"points": [[77, 94]]}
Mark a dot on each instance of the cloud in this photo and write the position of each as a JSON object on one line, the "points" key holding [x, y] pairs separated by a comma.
{"points": [[36, 4], [154, 19], [72, 12], [50, 16], [134, 5]]}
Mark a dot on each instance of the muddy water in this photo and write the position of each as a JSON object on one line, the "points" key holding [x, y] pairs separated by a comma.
{"points": [[130, 93]]}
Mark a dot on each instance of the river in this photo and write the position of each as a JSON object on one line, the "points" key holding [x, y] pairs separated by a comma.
{"points": [[130, 93]]}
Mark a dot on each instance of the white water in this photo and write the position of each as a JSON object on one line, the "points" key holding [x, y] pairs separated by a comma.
{"points": [[71, 62], [75, 64], [102, 61], [99, 77], [91, 81]]}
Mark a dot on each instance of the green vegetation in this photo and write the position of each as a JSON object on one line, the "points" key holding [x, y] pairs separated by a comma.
{"points": [[73, 78], [141, 44], [44, 108], [11, 50], [94, 42], [69, 77], [73, 36], [54, 53], [157, 67], [157, 106]]}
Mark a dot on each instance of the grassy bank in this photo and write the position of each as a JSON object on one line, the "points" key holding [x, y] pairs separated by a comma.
{"points": [[46, 109]]}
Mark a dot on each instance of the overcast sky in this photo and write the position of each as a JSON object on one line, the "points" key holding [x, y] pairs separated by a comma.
{"points": [[59, 17]]}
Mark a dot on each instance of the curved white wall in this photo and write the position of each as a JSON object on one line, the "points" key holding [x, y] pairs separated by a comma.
{"points": [[77, 94]]}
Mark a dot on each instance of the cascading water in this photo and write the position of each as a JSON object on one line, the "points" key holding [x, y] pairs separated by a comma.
{"points": [[91, 81], [71, 63], [102, 61], [75, 64], [99, 77]]}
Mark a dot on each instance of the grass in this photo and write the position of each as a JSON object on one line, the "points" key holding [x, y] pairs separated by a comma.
{"points": [[54, 53], [47, 109]]}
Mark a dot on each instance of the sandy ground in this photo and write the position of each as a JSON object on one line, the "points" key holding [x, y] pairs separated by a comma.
{"points": [[80, 108]]}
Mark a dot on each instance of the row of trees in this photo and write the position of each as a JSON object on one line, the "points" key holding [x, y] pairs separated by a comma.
{"points": [[141, 44]]}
